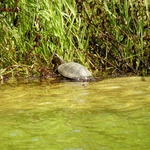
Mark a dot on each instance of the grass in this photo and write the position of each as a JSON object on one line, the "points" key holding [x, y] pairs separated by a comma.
{"points": [[106, 36]]}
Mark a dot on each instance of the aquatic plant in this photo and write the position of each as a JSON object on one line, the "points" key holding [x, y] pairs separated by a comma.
{"points": [[107, 36]]}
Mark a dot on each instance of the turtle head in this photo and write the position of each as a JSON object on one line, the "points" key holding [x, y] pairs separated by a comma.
{"points": [[57, 60]]}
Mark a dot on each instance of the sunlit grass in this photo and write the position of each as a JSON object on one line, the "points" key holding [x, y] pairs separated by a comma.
{"points": [[109, 35]]}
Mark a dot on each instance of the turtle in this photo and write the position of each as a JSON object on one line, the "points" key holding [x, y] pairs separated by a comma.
{"points": [[71, 70]]}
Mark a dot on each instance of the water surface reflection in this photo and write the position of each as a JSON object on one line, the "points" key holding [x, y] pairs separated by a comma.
{"points": [[111, 114]]}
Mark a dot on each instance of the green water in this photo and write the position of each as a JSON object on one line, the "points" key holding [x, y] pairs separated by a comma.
{"points": [[112, 114]]}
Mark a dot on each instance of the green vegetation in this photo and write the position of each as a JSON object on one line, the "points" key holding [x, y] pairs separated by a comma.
{"points": [[110, 36]]}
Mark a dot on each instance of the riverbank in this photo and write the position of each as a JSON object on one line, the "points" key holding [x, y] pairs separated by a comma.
{"points": [[108, 37]]}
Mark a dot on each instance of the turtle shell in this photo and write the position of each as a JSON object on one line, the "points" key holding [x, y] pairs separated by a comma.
{"points": [[74, 71]]}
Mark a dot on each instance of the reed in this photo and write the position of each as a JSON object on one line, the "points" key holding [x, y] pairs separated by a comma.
{"points": [[104, 35]]}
